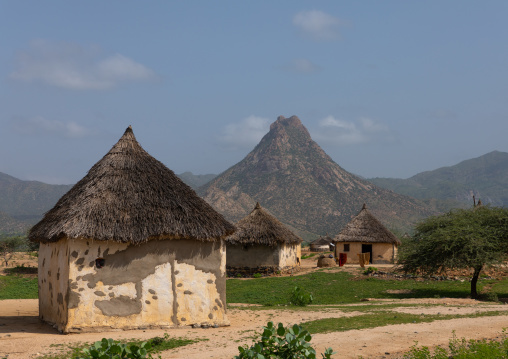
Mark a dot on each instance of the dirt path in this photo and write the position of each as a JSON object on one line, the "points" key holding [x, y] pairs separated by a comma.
{"points": [[22, 335]]}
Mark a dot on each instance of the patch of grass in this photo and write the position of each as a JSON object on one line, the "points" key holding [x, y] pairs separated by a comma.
{"points": [[18, 287], [159, 344], [342, 288], [463, 349], [380, 319]]}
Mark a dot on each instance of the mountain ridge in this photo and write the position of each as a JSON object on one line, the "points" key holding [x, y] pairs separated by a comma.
{"points": [[293, 177], [485, 177]]}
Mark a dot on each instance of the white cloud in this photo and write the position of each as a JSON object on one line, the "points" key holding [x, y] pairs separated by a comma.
{"points": [[343, 133], [302, 66], [41, 126], [246, 133], [317, 24], [75, 67]]}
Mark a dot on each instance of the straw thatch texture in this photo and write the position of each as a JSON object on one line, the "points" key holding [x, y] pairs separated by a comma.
{"points": [[129, 196], [322, 241], [260, 227], [366, 228]]}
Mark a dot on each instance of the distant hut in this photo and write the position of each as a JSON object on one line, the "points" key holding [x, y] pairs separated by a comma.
{"points": [[131, 246], [322, 244], [262, 243], [365, 234]]}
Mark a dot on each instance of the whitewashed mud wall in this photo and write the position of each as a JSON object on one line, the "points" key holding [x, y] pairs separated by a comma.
{"points": [[53, 282], [288, 255], [161, 283]]}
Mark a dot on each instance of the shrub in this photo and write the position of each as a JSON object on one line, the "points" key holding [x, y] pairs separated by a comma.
{"points": [[300, 297], [488, 297], [283, 343], [110, 349], [257, 275], [370, 270]]}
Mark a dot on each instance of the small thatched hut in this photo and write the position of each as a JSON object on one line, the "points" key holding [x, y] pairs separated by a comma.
{"points": [[131, 246], [262, 243], [322, 244], [365, 234]]}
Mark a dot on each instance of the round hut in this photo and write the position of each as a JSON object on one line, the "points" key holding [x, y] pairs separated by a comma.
{"points": [[131, 246], [262, 244], [322, 244], [366, 234]]}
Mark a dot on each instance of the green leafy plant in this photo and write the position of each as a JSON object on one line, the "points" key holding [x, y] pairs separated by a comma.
{"points": [[488, 297], [257, 275], [370, 270], [283, 343], [110, 349], [300, 297]]}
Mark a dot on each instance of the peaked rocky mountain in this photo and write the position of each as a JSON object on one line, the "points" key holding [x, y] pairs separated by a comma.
{"points": [[292, 177], [485, 177]]}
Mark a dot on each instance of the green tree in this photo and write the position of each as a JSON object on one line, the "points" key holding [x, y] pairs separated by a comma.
{"points": [[9, 246], [460, 239]]}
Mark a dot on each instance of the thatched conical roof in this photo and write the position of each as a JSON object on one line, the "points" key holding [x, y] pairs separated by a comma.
{"points": [[367, 229], [322, 241], [129, 196], [260, 227]]}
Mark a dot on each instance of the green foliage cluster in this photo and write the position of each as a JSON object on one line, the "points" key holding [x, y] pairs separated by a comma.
{"points": [[463, 349], [460, 239], [370, 270], [110, 349], [300, 297], [283, 343], [257, 275]]}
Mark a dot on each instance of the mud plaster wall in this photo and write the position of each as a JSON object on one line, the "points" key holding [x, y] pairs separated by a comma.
{"points": [[251, 256], [382, 253], [158, 283], [319, 247], [288, 255], [53, 281]]}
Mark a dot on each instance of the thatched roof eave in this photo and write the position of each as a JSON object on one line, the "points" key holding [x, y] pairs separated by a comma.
{"points": [[366, 228], [261, 228], [130, 197]]}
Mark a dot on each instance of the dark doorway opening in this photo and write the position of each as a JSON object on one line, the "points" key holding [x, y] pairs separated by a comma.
{"points": [[367, 248]]}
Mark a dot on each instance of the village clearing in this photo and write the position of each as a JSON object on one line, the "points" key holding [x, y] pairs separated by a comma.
{"points": [[22, 335]]}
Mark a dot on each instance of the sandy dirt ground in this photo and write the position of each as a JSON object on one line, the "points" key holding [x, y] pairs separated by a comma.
{"points": [[23, 336]]}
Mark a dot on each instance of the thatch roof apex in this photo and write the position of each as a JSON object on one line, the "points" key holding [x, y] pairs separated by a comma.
{"points": [[260, 227], [367, 229], [322, 241], [129, 196]]}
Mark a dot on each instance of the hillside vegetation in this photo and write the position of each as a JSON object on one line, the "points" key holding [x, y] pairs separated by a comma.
{"points": [[485, 177]]}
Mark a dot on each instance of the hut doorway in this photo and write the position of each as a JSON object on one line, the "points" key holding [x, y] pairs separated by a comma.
{"points": [[367, 248]]}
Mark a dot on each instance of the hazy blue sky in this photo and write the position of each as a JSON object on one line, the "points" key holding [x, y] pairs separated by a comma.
{"points": [[387, 88]]}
